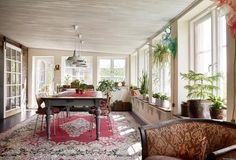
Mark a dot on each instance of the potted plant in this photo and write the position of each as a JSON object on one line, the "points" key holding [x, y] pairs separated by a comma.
{"points": [[163, 100], [217, 107], [133, 90], [200, 87], [144, 85], [75, 83], [157, 98], [106, 87], [161, 54], [82, 87]]}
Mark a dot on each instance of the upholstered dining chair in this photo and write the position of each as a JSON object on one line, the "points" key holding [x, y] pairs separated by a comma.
{"points": [[41, 111], [105, 111]]}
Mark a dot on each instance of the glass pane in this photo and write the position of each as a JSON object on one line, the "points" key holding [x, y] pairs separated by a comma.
{"points": [[18, 102], [8, 91], [18, 76], [8, 66], [8, 53], [18, 57], [13, 78], [13, 54], [18, 91], [13, 90], [13, 66], [119, 63], [8, 104], [18, 67], [8, 78], [13, 102], [105, 63]]}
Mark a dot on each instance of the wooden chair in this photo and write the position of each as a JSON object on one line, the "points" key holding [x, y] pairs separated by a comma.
{"points": [[105, 111], [41, 111]]}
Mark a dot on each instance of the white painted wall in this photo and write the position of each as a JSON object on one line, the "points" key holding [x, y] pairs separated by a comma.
{"points": [[57, 54]]}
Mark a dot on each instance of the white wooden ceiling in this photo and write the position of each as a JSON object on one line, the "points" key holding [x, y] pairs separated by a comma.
{"points": [[111, 26]]}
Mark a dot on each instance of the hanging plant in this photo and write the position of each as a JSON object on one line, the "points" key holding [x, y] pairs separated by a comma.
{"points": [[161, 54], [165, 49]]}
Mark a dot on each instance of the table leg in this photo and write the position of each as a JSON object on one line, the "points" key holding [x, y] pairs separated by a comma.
{"points": [[98, 111], [48, 113], [67, 111]]}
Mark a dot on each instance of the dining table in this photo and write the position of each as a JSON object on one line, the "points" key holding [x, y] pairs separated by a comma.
{"points": [[71, 98]]}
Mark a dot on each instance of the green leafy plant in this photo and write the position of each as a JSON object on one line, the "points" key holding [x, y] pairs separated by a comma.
{"points": [[67, 80], [164, 97], [161, 54], [144, 83], [200, 86], [217, 102], [156, 95], [75, 83], [107, 86], [83, 86]]}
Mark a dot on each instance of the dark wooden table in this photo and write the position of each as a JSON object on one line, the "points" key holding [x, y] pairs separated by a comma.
{"points": [[68, 99]]}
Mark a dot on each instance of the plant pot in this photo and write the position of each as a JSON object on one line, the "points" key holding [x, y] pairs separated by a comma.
{"points": [[157, 102], [164, 103], [184, 109], [198, 108], [81, 91], [144, 96], [216, 113], [77, 91]]}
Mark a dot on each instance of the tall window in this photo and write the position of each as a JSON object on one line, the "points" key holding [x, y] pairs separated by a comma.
{"points": [[209, 43], [203, 43], [70, 73], [112, 69], [161, 79]]}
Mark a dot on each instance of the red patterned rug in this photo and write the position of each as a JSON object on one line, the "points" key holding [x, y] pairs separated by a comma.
{"points": [[74, 139]]}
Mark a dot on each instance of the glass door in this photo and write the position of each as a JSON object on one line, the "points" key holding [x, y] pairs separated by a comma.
{"points": [[12, 80]]}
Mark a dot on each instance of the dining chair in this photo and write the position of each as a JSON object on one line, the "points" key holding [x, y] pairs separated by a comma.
{"points": [[105, 111], [41, 111]]}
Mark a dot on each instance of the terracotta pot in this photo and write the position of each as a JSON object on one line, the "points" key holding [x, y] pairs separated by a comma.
{"points": [[184, 109], [216, 113], [198, 108], [77, 91]]}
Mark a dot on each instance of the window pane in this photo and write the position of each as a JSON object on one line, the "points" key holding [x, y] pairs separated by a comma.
{"points": [[202, 45]]}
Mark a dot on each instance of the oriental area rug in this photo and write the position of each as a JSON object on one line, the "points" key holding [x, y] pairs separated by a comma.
{"points": [[74, 139]]}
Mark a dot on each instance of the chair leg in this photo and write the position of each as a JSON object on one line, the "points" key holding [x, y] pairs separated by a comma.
{"points": [[54, 123], [109, 123], [42, 123], [35, 125]]}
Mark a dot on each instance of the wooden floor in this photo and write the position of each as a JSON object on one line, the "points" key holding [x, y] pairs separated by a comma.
{"points": [[10, 122]]}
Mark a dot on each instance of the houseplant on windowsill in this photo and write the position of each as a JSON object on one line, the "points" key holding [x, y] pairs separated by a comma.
{"points": [[157, 98], [144, 85], [217, 107], [200, 87], [164, 100]]}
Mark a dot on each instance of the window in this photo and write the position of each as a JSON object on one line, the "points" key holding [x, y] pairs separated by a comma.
{"points": [[112, 69], [70, 73], [161, 76], [209, 43]]}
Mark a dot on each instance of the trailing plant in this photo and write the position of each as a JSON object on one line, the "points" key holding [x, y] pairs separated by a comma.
{"points": [[164, 49], [144, 83], [217, 102], [200, 86]]}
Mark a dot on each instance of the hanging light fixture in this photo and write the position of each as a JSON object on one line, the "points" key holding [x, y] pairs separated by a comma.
{"points": [[76, 59]]}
